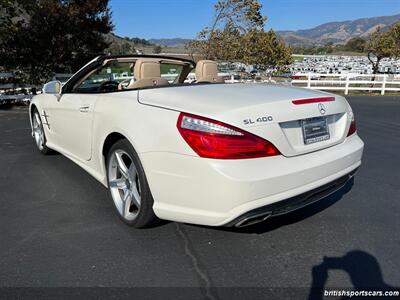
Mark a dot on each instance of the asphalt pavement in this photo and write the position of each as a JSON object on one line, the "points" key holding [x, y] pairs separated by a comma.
{"points": [[58, 228]]}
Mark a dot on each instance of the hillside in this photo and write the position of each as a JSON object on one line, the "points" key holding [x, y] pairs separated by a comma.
{"points": [[174, 42], [337, 32], [125, 45], [134, 43]]}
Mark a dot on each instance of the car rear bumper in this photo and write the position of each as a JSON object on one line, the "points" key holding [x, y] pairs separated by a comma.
{"points": [[223, 192], [288, 205]]}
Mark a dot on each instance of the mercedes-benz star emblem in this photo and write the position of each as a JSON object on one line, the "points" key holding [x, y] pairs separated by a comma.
{"points": [[321, 108]]}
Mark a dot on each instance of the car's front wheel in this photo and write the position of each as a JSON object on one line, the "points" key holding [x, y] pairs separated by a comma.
{"points": [[38, 133], [128, 186]]}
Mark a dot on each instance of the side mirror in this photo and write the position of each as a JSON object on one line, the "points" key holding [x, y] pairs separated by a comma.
{"points": [[52, 87]]}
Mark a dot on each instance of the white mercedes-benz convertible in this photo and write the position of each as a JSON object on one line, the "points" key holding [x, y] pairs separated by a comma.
{"points": [[207, 152]]}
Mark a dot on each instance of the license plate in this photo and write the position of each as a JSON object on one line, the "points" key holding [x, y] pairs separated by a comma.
{"points": [[315, 130]]}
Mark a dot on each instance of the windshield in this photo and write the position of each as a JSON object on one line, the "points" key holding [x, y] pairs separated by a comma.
{"points": [[114, 71], [119, 75]]}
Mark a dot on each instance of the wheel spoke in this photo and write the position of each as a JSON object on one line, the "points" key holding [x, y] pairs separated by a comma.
{"points": [[135, 196], [119, 183], [38, 119], [132, 172], [121, 165], [126, 202]]}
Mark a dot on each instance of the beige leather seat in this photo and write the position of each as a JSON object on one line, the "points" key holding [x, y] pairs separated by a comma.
{"points": [[207, 71], [147, 74]]}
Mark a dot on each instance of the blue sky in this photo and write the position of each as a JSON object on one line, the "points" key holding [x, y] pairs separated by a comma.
{"points": [[184, 18]]}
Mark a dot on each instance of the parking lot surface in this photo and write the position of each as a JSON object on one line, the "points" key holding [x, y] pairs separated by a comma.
{"points": [[58, 228]]}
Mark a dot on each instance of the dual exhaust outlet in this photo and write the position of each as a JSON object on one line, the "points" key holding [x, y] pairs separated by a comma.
{"points": [[254, 219]]}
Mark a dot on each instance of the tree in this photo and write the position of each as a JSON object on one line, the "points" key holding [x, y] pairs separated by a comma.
{"points": [[139, 41], [225, 44], [120, 49], [237, 34], [9, 21], [395, 34], [265, 48], [383, 44], [157, 49], [356, 44], [231, 16], [54, 36]]}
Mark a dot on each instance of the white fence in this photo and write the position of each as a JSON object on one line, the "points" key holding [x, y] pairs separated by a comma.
{"points": [[349, 82]]}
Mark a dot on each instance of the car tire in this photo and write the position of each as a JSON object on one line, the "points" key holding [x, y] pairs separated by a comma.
{"points": [[128, 186], [39, 134]]}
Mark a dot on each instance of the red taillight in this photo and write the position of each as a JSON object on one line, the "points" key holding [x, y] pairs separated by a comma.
{"points": [[214, 139], [353, 127]]}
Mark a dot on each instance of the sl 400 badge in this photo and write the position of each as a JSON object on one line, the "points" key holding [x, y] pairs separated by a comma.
{"points": [[259, 120]]}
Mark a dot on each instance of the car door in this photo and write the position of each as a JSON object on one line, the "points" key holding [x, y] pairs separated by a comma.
{"points": [[71, 115], [71, 118]]}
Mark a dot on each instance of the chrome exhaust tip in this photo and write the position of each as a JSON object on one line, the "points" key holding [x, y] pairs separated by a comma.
{"points": [[254, 219]]}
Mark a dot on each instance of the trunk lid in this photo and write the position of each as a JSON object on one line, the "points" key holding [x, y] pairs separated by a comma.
{"points": [[262, 109]]}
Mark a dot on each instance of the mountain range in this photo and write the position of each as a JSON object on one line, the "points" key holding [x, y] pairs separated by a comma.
{"points": [[333, 32], [337, 32]]}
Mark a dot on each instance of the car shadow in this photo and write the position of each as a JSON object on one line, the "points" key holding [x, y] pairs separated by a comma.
{"points": [[53, 153], [293, 217], [364, 272]]}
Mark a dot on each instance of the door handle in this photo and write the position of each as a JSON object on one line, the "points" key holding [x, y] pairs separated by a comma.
{"points": [[84, 108]]}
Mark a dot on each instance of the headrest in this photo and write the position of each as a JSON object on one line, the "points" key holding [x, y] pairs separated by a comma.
{"points": [[207, 71], [147, 73], [146, 69]]}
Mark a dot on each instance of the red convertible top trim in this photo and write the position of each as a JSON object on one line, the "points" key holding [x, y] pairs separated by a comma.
{"points": [[313, 100]]}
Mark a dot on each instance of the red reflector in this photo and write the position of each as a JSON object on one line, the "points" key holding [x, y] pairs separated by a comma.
{"points": [[313, 100], [214, 139]]}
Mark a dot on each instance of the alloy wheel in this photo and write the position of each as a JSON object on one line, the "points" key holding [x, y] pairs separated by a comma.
{"points": [[124, 184], [38, 133]]}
